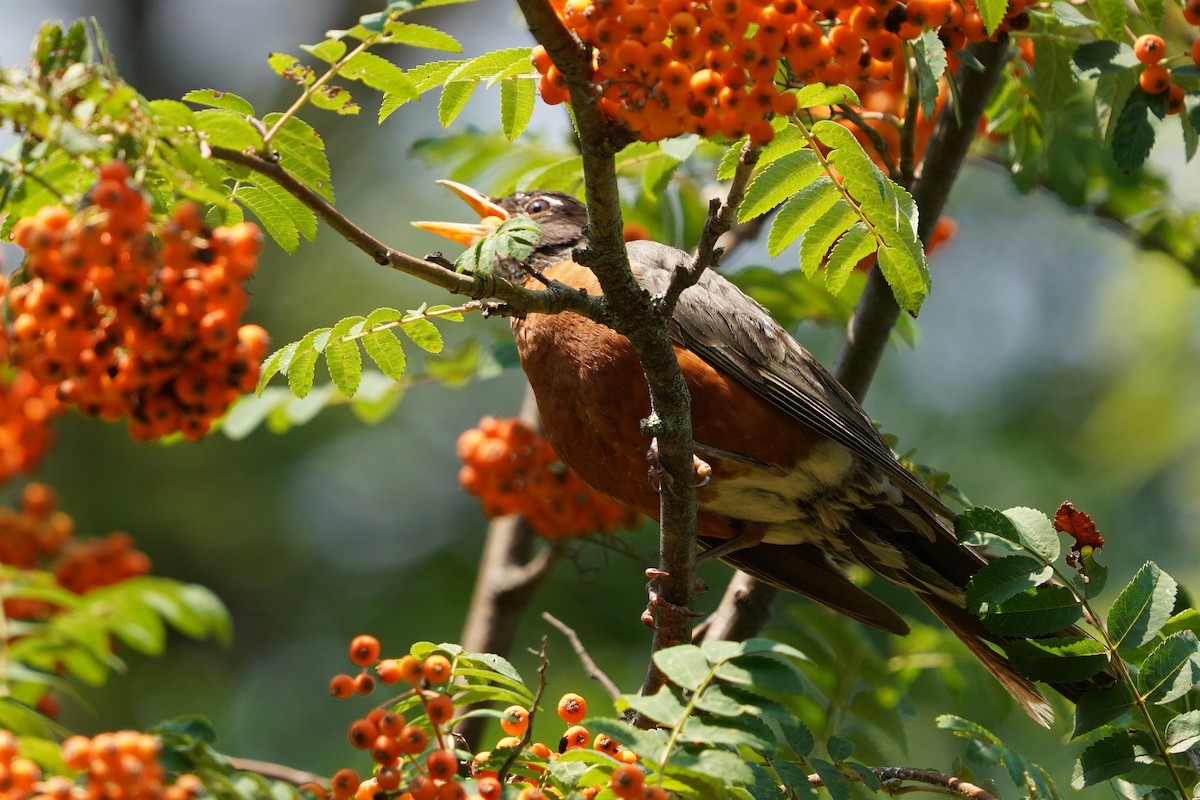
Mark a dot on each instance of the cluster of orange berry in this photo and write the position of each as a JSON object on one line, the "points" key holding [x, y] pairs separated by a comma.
{"points": [[416, 760], [627, 780], [1155, 78], [26, 407], [513, 469], [127, 318], [37, 535], [666, 67], [389, 738], [110, 766]]}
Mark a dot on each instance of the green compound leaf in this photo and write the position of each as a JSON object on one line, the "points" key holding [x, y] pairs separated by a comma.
{"points": [[779, 181], [517, 100], [385, 350], [380, 74], [1172, 669], [1034, 612], [342, 357], [1058, 660], [800, 212], [1002, 579], [424, 335], [1142, 608], [217, 99]]}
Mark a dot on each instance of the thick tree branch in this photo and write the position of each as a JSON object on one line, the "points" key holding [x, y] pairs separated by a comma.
{"points": [[875, 316], [892, 779], [867, 336], [635, 315]]}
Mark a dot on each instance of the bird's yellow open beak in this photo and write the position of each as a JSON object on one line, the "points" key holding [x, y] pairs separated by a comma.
{"points": [[490, 214]]}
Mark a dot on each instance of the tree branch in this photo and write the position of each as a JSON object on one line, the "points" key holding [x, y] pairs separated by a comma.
{"points": [[593, 670], [875, 316], [891, 777], [555, 298], [635, 315]]}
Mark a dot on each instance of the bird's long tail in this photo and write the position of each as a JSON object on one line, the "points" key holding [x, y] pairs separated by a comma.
{"points": [[971, 632]]}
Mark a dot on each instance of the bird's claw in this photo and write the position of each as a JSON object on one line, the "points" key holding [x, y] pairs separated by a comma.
{"points": [[656, 600], [657, 475]]}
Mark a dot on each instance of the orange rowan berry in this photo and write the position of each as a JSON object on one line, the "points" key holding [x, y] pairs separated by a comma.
{"points": [[1175, 98], [388, 778], [540, 750], [682, 24], [515, 721], [627, 782], [412, 740], [436, 668], [1155, 79], [657, 793], [343, 783], [1149, 48], [760, 132], [390, 723], [441, 764], [627, 756], [439, 708], [341, 686], [1191, 11], [411, 670], [507, 743], [362, 734], [452, 790], [606, 744], [385, 749], [364, 683], [477, 765], [389, 671], [540, 59], [572, 708], [367, 790], [489, 788], [532, 793], [576, 736]]}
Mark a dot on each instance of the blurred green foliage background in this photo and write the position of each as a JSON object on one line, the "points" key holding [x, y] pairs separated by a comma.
{"points": [[1054, 361]]}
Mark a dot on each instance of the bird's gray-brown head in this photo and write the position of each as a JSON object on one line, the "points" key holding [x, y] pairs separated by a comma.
{"points": [[561, 217]]}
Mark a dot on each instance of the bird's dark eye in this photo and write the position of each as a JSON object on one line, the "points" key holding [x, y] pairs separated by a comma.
{"points": [[538, 206]]}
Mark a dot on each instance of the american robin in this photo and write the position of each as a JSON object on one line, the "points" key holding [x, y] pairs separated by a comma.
{"points": [[801, 481]]}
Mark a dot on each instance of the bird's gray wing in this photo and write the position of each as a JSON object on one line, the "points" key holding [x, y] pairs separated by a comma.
{"points": [[728, 329]]}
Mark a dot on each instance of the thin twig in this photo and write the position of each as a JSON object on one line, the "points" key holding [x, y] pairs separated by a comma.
{"points": [[543, 663], [933, 777], [276, 772], [593, 670], [721, 216], [557, 297]]}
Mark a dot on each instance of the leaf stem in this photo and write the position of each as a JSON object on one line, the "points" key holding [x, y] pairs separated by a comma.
{"points": [[314, 87], [1123, 672]]}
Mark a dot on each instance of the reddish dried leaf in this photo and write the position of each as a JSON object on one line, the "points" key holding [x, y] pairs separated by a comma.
{"points": [[1070, 520]]}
